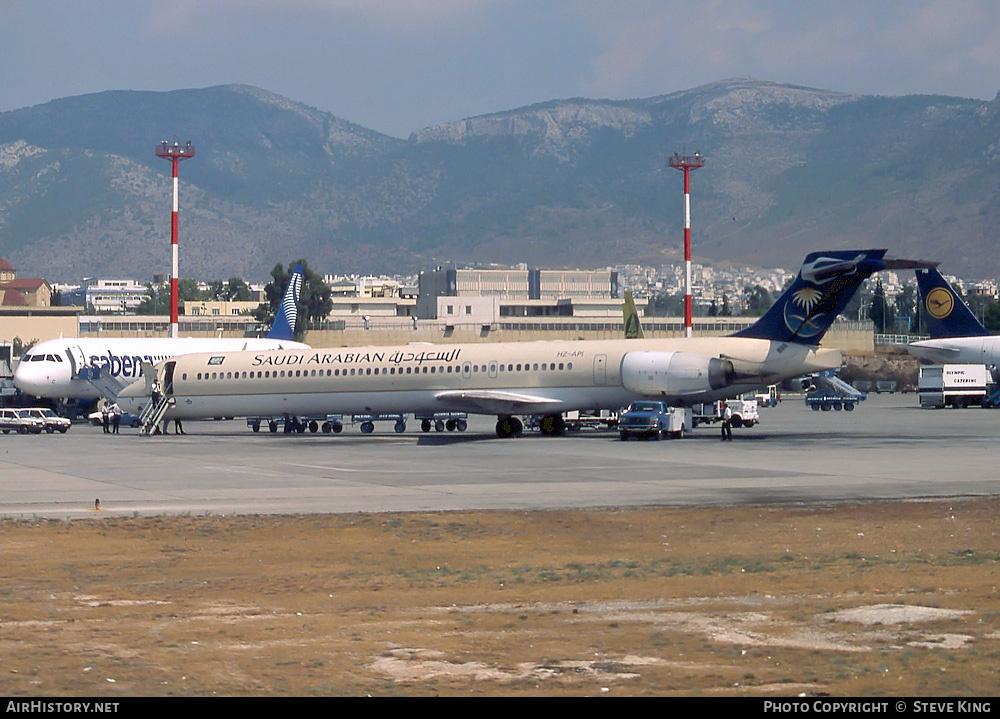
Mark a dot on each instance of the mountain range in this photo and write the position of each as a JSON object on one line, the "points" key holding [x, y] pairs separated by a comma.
{"points": [[566, 183]]}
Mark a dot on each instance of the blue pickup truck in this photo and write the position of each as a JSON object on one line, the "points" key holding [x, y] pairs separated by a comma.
{"points": [[648, 419]]}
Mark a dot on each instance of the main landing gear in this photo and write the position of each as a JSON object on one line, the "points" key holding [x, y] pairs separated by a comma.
{"points": [[509, 427], [552, 425]]}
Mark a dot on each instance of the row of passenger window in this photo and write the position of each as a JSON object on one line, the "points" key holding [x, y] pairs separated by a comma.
{"points": [[449, 369]]}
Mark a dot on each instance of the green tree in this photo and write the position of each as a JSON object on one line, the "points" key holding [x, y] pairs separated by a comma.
{"points": [[156, 301], [237, 290], [907, 303], [19, 346], [882, 313], [314, 300], [216, 291], [986, 309], [187, 290], [758, 300], [667, 305]]}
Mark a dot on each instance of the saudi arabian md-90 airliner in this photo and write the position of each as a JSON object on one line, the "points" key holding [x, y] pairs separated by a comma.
{"points": [[57, 369], [511, 379]]}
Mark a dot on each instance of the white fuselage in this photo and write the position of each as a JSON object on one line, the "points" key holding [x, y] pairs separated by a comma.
{"points": [[51, 369], [958, 350], [500, 378]]}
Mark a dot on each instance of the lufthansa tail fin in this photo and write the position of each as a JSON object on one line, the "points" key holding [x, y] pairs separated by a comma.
{"points": [[946, 314], [284, 323], [633, 329]]}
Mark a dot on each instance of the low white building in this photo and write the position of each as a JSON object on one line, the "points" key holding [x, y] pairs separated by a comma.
{"points": [[106, 295]]}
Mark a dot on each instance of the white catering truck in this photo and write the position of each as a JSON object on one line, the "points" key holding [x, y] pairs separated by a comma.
{"points": [[955, 385]]}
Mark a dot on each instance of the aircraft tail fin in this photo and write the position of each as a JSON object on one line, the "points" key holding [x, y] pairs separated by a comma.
{"points": [[946, 314], [633, 328], [284, 323], [823, 287]]}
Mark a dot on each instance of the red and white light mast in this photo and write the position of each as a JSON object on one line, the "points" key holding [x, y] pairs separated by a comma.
{"points": [[687, 163], [175, 153]]}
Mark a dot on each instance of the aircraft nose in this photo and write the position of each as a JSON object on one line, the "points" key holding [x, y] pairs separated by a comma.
{"points": [[41, 379], [28, 379]]}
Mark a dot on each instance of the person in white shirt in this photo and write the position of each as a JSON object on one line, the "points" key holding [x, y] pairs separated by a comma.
{"points": [[116, 417], [727, 424]]}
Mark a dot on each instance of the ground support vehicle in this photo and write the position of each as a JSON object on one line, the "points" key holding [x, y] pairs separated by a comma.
{"points": [[12, 420], [52, 421], [745, 413], [288, 424], [650, 419], [768, 397], [592, 419], [327, 423], [955, 385], [128, 419], [368, 421], [832, 393], [441, 421]]}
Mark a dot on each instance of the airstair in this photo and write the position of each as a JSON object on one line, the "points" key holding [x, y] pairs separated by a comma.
{"points": [[831, 392], [100, 379], [152, 414]]}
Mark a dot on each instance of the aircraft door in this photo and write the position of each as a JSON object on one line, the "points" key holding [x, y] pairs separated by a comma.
{"points": [[493, 369], [77, 360], [600, 370], [467, 370], [167, 381]]}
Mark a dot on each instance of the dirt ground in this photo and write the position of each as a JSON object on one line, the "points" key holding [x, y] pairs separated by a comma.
{"points": [[856, 599], [886, 363]]}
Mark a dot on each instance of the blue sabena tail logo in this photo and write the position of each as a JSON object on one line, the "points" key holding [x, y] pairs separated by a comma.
{"points": [[284, 324], [824, 286], [946, 314]]}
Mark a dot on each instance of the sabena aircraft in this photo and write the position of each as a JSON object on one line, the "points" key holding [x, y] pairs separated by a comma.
{"points": [[91, 368], [957, 337], [511, 379]]}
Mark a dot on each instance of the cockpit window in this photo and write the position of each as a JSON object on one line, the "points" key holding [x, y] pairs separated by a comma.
{"points": [[37, 358]]}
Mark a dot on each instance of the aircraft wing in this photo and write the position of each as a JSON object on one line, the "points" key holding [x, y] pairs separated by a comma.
{"points": [[939, 350], [497, 402]]}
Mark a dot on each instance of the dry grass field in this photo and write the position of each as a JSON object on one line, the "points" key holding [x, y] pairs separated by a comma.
{"points": [[878, 599]]}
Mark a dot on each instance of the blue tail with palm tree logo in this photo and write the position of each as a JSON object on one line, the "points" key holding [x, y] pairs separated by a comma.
{"points": [[284, 323], [823, 287]]}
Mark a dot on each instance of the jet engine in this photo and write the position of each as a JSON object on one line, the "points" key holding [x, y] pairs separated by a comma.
{"points": [[674, 373]]}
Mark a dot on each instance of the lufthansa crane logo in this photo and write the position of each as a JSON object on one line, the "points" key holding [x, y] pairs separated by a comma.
{"points": [[940, 302]]}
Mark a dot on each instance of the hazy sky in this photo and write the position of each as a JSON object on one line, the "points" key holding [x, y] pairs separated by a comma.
{"points": [[396, 66]]}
